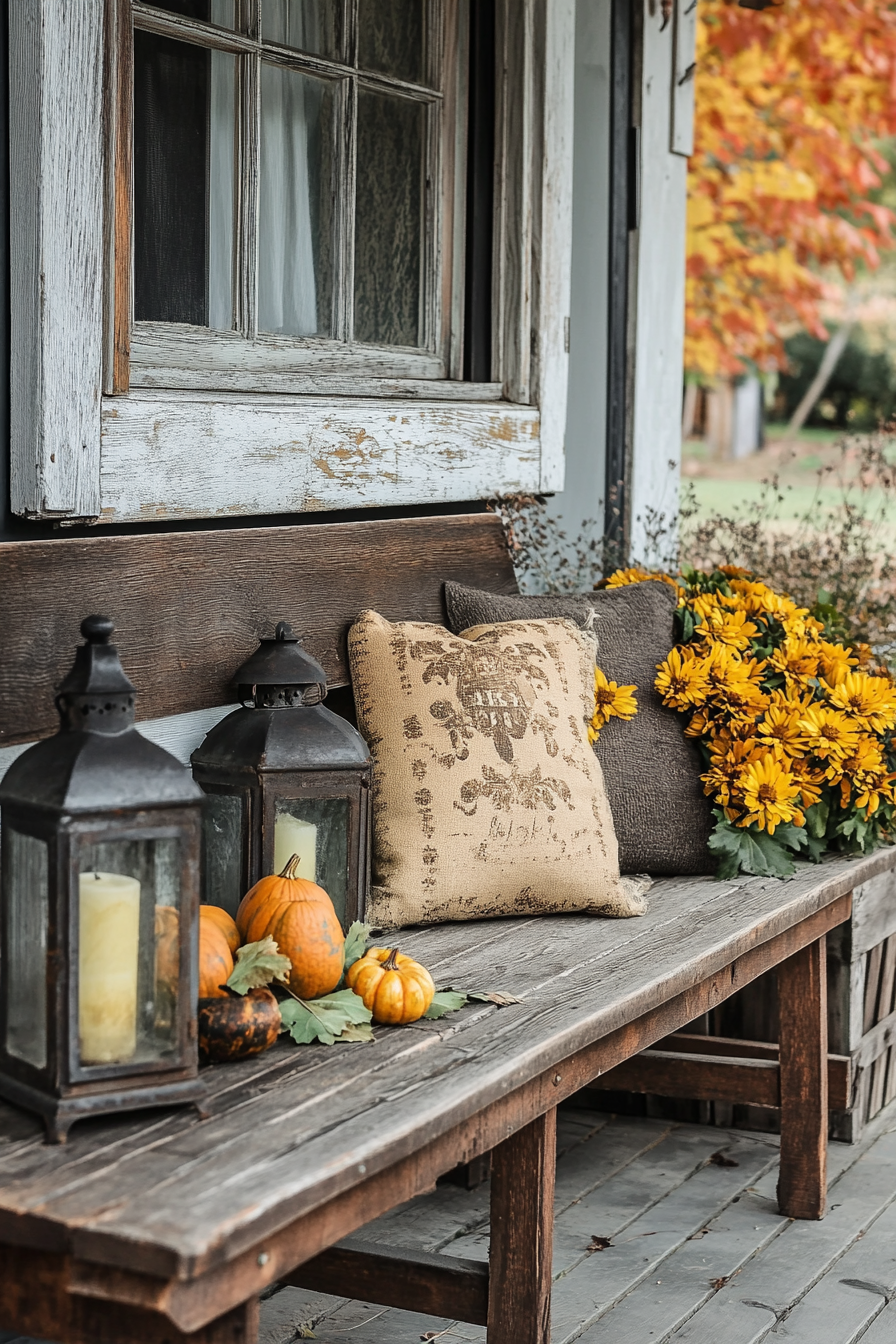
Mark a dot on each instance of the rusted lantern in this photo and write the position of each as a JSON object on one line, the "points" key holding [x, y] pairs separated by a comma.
{"points": [[284, 775], [100, 842]]}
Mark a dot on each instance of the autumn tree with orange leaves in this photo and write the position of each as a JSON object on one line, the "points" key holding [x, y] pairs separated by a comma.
{"points": [[790, 103]]}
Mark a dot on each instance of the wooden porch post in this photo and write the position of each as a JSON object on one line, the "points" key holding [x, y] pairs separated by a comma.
{"points": [[802, 991], [522, 1232]]}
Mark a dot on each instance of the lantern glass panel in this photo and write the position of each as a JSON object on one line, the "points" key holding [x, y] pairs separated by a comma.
{"points": [[129, 912], [26, 884], [317, 830], [222, 850]]}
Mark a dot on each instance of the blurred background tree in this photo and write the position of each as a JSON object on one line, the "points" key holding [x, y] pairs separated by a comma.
{"points": [[794, 107]]}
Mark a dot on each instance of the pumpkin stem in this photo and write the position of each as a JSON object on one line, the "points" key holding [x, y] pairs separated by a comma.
{"points": [[291, 871], [390, 964]]}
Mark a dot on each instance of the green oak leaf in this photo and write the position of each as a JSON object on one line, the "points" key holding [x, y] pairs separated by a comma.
{"points": [[257, 964], [323, 1019]]}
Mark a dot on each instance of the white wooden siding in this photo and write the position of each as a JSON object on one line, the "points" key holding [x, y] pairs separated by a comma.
{"points": [[166, 455], [659, 302], [56, 254]]}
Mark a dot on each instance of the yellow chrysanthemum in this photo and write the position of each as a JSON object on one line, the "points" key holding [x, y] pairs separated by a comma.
{"points": [[728, 757], [781, 726], [801, 625], [757, 599], [732, 628], [611, 701], [871, 701], [734, 683], [809, 779], [829, 734], [769, 793], [835, 661], [865, 780], [681, 680], [797, 658], [635, 574]]}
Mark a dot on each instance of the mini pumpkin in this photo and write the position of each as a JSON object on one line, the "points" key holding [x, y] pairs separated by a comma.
{"points": [[235, 1027], [215, 961], [224, 922], [395, 988], [300, 917]]}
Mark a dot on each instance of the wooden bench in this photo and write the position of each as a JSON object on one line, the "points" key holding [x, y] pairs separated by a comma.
{"points": [[154, 1227]]}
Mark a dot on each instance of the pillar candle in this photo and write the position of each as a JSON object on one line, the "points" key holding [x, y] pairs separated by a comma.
{"points": [[109, 937], [292, 835]]}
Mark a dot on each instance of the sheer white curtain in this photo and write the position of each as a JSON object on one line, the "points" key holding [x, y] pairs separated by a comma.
{"points": [[290, 108], [287, 290]]}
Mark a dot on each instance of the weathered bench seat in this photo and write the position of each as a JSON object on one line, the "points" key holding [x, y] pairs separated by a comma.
{"points": [[184, 1222], [154, 1226]]}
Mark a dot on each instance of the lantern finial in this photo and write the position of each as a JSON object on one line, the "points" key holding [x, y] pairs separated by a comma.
{"points": [[97, 629]]}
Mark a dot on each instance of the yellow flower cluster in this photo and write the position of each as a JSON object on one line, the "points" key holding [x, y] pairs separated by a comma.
{"points": [[783, 712], [610, 702]]}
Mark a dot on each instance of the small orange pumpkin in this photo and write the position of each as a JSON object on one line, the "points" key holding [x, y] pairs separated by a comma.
{"points": [[225, 924], [215, 960], [395, 988], [300, 917], [167, 932]]}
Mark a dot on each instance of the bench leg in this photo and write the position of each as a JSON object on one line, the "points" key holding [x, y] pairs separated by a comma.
{"points": [[802, 992], [522, 1232]]}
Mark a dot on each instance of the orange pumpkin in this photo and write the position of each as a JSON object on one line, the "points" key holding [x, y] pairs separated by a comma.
{"points": [[225, 924], [300, 917], [395, 988], [167, 931], [215, 960]]}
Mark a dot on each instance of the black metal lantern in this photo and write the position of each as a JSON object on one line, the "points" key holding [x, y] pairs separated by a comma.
{"points": [[284, 775], [100, 905]]}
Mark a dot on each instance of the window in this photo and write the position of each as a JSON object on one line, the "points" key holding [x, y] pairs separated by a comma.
{"points": [[243, 257], [289, 209]]}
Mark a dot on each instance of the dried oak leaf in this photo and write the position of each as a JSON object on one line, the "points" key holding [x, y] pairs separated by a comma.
{"points": [[721, 1159], [598, 1244]]}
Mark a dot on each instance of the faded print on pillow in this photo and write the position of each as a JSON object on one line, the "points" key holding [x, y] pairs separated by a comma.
{"points": [[488, 799]]}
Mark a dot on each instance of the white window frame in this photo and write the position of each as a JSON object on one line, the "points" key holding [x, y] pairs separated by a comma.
{"points": [[254, 447]]}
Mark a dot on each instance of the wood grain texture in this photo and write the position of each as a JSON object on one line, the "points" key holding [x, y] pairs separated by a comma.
{"points": [[748, 1081], [189, 607], [334, 1131], [518, 141], [56, 256], [179, 455], [120, 101], [684, 69], [36, 1299], [522, 1232], [554, 235], [874, 918], [802, 991], [399, 1276]]}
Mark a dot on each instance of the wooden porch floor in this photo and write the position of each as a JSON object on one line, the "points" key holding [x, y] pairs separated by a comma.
{"points": [[698, 1253]]}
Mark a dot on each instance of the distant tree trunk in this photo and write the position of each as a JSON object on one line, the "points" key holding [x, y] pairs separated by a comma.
{"points": [[834, 349], [689, 412]]}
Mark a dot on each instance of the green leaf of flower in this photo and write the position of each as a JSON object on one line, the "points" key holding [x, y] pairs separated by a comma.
{"points": [[257, 964], [324, 1019], [742, 849], [355, 943]]}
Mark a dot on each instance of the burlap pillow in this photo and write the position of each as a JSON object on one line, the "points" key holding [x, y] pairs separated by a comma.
{"points": [[651, 770], [487, 798]]}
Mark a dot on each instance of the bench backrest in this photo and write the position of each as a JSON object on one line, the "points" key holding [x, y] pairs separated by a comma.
{"points": [[189, 607]]}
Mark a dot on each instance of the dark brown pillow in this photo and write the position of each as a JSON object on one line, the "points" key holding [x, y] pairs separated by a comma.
{"points": [[652, 771]]}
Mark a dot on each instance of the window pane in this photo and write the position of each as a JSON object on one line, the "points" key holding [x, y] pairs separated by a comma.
{"points": [[295, 230], [222, 850], [219, 12], [317, 830], [388, 220], [390, 37], [308, 25], [25, 882], [184, 116]]}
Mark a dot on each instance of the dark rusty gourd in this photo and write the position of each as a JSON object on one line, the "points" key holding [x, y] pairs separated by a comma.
{"points": [[237, 1026]]}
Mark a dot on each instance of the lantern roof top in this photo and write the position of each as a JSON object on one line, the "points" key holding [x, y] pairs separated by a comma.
{"points": [[280, 661], [97, 668]]}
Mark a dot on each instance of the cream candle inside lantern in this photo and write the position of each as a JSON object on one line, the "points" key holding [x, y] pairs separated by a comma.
{"points": [[109, 937], [292, 835]]}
